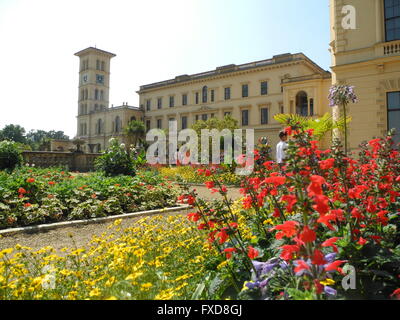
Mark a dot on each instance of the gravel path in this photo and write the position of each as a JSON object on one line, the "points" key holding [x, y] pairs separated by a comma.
{"points": [[60, 238], [203, 192]]}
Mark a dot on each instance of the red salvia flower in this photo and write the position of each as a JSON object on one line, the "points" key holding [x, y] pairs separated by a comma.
{"points": [[318, 258], [288, 251], [288, 229], [229, 251], [307, 235], [331, 243], [334, 266], [301, 265], [252, 253]]}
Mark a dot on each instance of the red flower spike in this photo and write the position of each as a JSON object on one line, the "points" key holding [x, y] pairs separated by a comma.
{"points": [[288, 229], [334, 266], [331, 243], [318, 258], [252, 253], [288, 251], [307, 235], [301, 265]]}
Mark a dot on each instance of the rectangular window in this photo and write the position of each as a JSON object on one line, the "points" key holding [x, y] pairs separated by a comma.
{"points": [[227, 114], [212, 115], [159, 123], [197, 117], [227, 93], [197, 98], [245, 91], [204, 117], [184, 99], [148, 105], [184, 123], [392, 20], [147, 125], [159, 103], [393, 99], [171, 101], [264, 88], [212, 95], [245, 117], [264, 116], [281, 109]]}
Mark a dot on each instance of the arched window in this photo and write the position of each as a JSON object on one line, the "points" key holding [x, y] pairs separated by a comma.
{"points": [[302, 104], [205, 94], [133, 118]]}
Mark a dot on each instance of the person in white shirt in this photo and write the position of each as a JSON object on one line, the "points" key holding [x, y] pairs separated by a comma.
{"points": [[281, 148]]}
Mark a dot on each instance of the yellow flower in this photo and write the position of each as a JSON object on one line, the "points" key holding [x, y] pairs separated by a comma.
{"points": [[117, 222], [111, 298], [95, 292], [133, 276], [165, 295], [327, 282], [146, 286]]}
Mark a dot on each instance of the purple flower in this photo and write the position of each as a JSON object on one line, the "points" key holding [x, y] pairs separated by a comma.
{"points": [[341, 95], [264, 267], [253, 285], [330, 257], [330, 291]]}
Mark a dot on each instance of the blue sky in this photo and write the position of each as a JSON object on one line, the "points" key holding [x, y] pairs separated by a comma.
{"points": [[154, 40]]}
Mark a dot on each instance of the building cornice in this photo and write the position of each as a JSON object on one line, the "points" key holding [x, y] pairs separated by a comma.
{"points": [[94, 50], [228, 71]]}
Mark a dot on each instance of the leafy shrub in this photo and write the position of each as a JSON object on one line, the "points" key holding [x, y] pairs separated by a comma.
{"points": [[116, 160], [32, 196], [10, 155]]}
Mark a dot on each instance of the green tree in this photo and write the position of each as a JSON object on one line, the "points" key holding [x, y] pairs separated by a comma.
{"points": [[214, 123], [14, 133], [135, 132]]}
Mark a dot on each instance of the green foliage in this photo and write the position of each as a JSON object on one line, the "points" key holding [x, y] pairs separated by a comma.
{"points": [[14, 133], [116, 160], [32, 196], [10, 155], [321, 126], [213, 123], [135, 132]]}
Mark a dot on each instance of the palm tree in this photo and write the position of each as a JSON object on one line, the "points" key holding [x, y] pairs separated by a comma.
{"points": [[135, 132], [321, 126]]}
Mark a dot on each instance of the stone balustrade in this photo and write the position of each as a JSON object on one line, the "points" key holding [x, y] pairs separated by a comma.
{"points": [[73, 161]]}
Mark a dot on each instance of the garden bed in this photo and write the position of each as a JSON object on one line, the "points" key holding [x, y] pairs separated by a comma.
{"points": [[39, 196]]}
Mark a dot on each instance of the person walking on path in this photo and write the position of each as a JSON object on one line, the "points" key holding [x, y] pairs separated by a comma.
{"points": [[281, 149]]}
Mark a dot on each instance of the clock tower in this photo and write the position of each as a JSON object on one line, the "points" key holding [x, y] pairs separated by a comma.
{"points": [[94, 87]]}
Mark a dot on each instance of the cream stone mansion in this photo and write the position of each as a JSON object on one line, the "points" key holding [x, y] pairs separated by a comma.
{"points": [[367, 57]]}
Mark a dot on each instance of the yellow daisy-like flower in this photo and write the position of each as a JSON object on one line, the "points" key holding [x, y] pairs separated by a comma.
{"points": [[95, 292]]}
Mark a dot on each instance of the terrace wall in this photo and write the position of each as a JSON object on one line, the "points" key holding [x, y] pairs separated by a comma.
{"points": [[73, 161]]}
